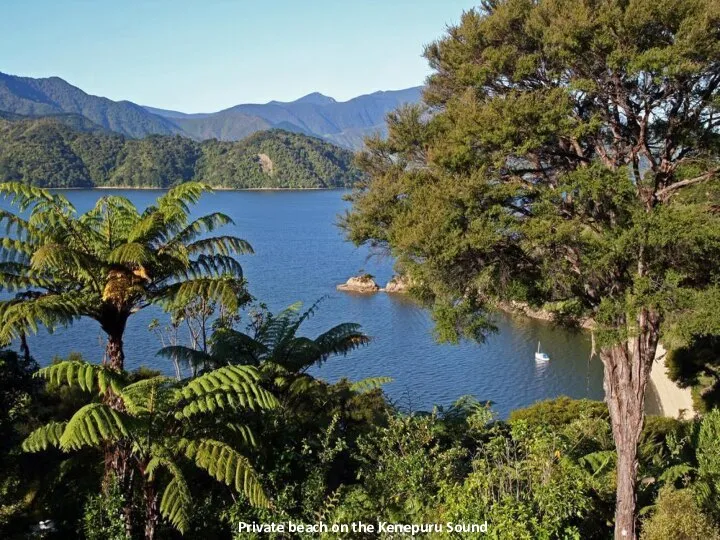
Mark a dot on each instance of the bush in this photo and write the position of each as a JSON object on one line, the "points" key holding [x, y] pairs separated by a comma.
{"points": [[103, 518], [678, 516]]}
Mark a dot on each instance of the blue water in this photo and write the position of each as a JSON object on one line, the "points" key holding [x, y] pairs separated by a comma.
{"points": [[301, 255]]}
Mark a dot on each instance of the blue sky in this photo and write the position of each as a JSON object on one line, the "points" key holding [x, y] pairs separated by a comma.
{"points": [[205, 55]]}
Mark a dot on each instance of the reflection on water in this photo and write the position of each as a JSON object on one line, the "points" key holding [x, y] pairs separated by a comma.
{"points": [[301, 255]]}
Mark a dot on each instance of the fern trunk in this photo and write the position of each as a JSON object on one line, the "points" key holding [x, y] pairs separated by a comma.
{"points": [[152, 510], [627, 370], [114, 353], [24, 347], [117, 469]]}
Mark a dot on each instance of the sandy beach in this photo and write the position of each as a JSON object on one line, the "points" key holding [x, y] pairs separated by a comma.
{"points": [[670, 399]]}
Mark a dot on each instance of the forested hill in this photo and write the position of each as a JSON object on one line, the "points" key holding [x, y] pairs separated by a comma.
{"points": [[70, 151]]}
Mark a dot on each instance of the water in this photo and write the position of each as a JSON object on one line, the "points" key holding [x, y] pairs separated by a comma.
{"points": [[301, 255]]}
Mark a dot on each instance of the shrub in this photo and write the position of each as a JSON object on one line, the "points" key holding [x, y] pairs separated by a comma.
{"points": [[677, 515]]}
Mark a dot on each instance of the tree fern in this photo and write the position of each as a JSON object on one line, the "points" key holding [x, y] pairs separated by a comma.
{"points": [[91, 425], [369, 384], [164, 425], [111, 261], [44, 436], [227, 466], [89, 377]]}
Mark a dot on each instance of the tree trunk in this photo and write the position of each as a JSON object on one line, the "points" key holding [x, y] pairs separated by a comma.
{"points": [[152, 511], [117, 469], [117, 455], [627, 370], [24, 347], [114, 353]]}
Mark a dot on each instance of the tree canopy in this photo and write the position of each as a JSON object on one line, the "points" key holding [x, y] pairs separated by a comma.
{"points": [[566, 157], [66, 151]]}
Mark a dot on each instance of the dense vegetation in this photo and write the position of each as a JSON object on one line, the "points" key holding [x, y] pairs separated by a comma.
{"points": [[70, 151], [244, 434], [567, 156]]}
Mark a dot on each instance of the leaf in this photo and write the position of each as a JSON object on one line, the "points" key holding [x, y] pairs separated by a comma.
{"points": [[369, 384], [44, 436], [91, 425], [89, 377], [227, 466]]}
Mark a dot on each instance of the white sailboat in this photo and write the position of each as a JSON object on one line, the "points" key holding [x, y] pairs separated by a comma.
{"points": [[541, 356]]}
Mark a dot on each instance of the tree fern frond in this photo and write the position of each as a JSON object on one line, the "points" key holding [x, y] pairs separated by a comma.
{"points": [[60, 258], [187, 356], [369, 384], [341, 339], [222, 245], [227, 466], [200, 226], [92, 424], [217, 289], [27, 315], [89, 377], [148, 395], [15, 225], [176, 503], [22, 195], [597, 462], [44, 436], [131, 253], [233, 386]]}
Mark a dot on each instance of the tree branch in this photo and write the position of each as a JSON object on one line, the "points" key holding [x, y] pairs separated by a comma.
{"points": [[663, 194]]}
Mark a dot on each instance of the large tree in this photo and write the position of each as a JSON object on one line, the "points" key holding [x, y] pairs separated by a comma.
{"points": [[566, 156], [110, 262]]}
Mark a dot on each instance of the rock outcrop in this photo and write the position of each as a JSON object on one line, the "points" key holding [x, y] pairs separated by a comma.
{"points": [[397, 285], [359, 284]]}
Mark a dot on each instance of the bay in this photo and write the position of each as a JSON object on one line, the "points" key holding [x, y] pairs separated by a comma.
{"points": [[301, 255]]}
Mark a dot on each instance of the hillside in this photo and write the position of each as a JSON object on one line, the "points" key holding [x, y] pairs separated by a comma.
{"points": [[342, 123], [69, 151], [53, 95]]}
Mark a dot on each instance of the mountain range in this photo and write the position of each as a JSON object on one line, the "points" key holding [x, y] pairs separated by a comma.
{"points": [[343, 123]]}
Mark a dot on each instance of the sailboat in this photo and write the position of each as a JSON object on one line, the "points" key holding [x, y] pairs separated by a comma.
{"points": [[541, 356]]}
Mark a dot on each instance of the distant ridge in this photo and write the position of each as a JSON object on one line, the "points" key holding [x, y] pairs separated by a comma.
{"points": [[343, 123], [42, 97]]}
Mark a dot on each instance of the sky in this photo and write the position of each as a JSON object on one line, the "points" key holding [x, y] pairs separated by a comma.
{"points": [[206, 55]]}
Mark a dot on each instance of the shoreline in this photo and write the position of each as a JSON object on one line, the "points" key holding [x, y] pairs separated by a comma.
{"points": [[668, 399], [671, 400]]}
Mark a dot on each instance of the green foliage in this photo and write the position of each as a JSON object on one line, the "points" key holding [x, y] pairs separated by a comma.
{"points": [[557, 161], [52, 152], [708, 457], [103, 517], [677, 515], [108, 263], [153, 421]]}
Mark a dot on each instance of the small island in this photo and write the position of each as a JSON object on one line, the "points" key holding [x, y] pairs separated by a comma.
{"points": [[360, 284], [365, 283]]}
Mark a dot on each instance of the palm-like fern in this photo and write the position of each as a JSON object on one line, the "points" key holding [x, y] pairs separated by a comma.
{"points": [[166, 424], [275, 343], [111, 261]]}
